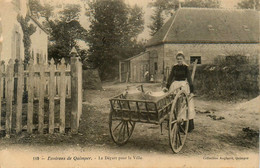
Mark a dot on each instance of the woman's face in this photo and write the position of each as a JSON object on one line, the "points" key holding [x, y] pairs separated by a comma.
{"points": [[180, 60]]}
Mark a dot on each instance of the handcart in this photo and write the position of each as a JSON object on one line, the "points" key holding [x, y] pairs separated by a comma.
{"points": [[173, 108]]}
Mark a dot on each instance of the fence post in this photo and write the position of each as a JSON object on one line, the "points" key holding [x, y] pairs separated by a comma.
{"points": [[9, 97], [258, 58], [62, 95], [30, 89], [120, 73], [1, 89], [76, 95], [41, 97], [51, 96], [16, 64], [79, 66], [19, 95]]}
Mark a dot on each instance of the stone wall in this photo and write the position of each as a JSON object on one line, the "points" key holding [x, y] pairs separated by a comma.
{"points": [[208, 53]]}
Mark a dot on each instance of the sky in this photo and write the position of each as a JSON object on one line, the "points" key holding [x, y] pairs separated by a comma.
{"points": [[142, 3]]}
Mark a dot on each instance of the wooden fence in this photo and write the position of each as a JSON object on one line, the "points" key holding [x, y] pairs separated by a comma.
{"points": [[26, 91]]}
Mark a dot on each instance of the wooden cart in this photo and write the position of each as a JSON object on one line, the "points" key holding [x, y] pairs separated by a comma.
{"points": [[172, 108]]}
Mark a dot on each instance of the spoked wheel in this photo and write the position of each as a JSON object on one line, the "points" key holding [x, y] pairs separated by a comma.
{"points": [[120, 130], [178, 121]]}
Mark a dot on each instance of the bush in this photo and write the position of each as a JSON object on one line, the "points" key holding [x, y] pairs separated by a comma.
{"points": [[233, 78]]}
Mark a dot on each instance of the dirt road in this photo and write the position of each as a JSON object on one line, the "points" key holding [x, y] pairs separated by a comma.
{"points": [[218, 126], [221, 129]]}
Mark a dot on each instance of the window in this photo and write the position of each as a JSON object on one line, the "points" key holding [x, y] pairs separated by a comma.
{"points": [[155, 66], [193, 58]]}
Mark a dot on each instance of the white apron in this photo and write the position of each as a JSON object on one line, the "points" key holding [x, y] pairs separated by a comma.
{"points": [[185, 85]]}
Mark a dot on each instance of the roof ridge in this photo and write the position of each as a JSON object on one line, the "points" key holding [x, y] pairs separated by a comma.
{"points": [[141, 53], [38, 24], [192, 26], [166, 34], [233, 9]]}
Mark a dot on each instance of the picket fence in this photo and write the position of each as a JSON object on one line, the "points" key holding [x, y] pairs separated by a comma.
{"points": [[30, 84]]}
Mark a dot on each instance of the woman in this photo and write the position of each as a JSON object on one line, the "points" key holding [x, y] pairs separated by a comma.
{"points": [[180, 76]]}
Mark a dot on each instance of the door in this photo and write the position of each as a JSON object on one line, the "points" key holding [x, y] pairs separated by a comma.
{"points": [[153, 62]]}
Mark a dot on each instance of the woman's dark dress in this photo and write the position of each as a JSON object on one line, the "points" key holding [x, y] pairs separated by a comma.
{"points": [[181, 73]]}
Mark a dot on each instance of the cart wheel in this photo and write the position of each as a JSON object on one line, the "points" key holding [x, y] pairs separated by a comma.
{"points": [[120, 130], [178, 121]]}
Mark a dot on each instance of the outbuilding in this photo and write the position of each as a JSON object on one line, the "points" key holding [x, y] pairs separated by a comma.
{"points": [[205, 34]]}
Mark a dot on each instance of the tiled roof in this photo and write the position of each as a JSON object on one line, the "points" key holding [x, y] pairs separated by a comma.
{"points": [[209, 25]]}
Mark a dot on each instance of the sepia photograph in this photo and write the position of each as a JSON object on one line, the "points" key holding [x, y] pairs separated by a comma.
{"points": [[129, 83]]}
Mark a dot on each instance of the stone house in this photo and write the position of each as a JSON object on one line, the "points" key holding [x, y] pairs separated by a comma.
{"points": [[11, 33], [205, 34]]}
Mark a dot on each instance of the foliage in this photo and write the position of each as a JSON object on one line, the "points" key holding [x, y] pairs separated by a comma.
{"points": [[235, 59], [38, 10], [163, 8], [201, 3], [113, 33], [249, 4], [158, 21], [70, 12], [63, 38], [234, 77], [28, 30], [64, 28]]}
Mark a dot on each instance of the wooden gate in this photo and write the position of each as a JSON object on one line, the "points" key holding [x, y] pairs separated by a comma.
{"points": [[40, 97]]}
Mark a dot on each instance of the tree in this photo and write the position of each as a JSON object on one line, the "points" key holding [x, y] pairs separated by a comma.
{"points": [[163, 8], [63, 38], [28, 30], [201, 3], [249, 4], [112, 35], [64, 28], [38, 10], [70, 12], [158, 21]]}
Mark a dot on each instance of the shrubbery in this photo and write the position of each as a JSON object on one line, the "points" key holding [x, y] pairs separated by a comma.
{"points": [[232, 78]]}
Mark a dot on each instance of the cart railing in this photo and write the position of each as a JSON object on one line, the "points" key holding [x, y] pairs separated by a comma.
{"points": [[145, 111]]}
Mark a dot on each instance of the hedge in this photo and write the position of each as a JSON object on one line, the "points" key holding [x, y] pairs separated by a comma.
{"points": [[228, 81]]}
